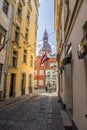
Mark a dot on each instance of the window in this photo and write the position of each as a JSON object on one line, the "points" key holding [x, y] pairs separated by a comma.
{"points": [[28, 17], [48, 74], [40, 82], [0, 72], [41, 72], [53, 74], [25, 56], [20, 11], [15, 57], [52, 64], [2, 35], [54, 83], [17, 34], [48, 82], [26, 34], [31, 61], [5, 7]]}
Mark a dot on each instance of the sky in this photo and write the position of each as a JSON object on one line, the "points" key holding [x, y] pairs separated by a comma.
{"points": [[46, 20]]}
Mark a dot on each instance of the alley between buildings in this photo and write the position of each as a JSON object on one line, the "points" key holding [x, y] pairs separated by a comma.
{"points": [[39, 112]]}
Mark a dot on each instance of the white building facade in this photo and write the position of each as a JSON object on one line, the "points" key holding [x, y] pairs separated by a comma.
{"points": [[72, 60], [51, 78]]}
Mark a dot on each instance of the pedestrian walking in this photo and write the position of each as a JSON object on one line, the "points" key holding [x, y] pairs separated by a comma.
{"points": [[49, 88]]}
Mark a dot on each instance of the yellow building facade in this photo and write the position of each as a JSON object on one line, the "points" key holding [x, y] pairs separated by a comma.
{"points": [[20, 72]]}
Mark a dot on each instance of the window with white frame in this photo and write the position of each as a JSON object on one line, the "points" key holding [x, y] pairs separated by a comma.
{"points": [[48, 74], [40, 82], [51, 64], [54, 82], [41, 72], [53, 74]]}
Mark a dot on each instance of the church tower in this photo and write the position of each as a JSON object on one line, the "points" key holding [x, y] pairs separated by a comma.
{"points": [[46, 46], [42, 71]]}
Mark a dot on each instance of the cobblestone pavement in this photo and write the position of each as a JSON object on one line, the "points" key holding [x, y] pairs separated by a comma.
{"points": [[40, 112]]}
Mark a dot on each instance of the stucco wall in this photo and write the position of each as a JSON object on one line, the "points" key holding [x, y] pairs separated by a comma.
{"points": [[79, 79]]}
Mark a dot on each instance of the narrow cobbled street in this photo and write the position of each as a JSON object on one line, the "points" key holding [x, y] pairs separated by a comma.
{"points": [[39, 112]]}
